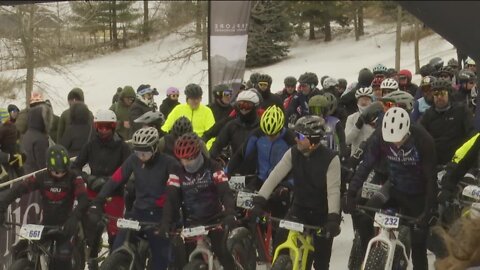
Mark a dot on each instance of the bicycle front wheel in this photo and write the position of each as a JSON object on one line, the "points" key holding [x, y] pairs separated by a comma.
{"points": [[117, 260], [377, 258], [356, 255], [22, 264], [283, 262]]}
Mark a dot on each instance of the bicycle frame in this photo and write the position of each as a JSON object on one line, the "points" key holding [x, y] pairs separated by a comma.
{"points": [[389, 238], [298, 253]]}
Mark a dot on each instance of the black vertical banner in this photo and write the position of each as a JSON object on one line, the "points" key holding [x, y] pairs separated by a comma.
{"points": [[228, 37]]}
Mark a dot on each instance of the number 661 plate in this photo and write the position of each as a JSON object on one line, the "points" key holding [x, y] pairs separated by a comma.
{"points": [[386, 221], [31, 231]]}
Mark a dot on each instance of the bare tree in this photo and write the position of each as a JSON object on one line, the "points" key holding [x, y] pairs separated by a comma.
{"points": [[114, 25], [146, 30], [361, 30], [416, 47], [398, 40], [27, 39]]}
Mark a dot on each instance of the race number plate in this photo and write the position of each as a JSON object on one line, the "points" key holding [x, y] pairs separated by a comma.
{"points": [[128, 224], [194, 231], [472, 191], [245, 200], [31, 231], [386, 221], [237, 182], [369, 189], [290, 225]]}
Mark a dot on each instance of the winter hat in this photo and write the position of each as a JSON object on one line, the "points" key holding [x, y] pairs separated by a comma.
{"points": [[172, 91], [76, 93], [36, 97], [365, 77], [12, 108]]}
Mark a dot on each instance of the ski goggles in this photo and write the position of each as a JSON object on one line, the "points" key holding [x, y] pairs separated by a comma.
{"points": [[105, 125], [244, 105], [174, 95], [145, 155], [440, 93], [263, 84], [227, 93]]}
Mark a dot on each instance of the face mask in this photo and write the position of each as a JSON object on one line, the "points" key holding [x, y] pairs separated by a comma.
{"points": [[194, 165], [361, 108]]}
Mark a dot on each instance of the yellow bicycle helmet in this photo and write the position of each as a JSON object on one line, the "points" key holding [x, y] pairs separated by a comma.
{"points": [[272, 120]]}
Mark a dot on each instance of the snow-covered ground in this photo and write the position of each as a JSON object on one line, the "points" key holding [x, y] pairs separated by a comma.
{"points": [[340, 58]]}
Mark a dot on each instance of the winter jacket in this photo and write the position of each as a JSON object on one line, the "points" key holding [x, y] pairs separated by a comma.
{"points": [[80, 130], [64, 122], [57, 196], [411, 168], [234, 134], [419, 108], [203, 195], [8, 138], [221, 115], [269, 99], [463, 96], [355, 136], [259, 154], [150, 180], [286, 97], [167, 106], [449, 130], [137, 109], [316, 179], [410, 88], [35, 141], [123, 112], [54, 130], [202, 118]]}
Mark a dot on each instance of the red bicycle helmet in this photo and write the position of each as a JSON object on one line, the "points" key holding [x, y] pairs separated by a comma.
{"points": [[187, 146]]}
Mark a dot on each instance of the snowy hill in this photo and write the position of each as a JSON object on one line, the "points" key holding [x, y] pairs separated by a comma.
{"points": [[340, 58]]}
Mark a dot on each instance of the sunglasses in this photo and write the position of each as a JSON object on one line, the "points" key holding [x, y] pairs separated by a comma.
{"points": [[143, 154], [300, 136], [440, 93], [311, 139], [174, 95], [105, 125], [244, 105], [263, 84]]}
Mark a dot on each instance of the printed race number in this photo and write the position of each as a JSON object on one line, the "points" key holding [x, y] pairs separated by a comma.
{"points": [[472, 191], [386, 221], [368, 189], [237, 182], [245, 200], [128, 224], [194, 231], [290, 225], [31, 231]]}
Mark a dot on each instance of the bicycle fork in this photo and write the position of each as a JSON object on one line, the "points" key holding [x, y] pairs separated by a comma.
{"points": [[299, 255]]}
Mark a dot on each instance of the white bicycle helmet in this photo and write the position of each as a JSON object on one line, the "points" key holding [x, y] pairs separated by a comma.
{"points": [[364, 92], [390, 84], [105, 116], [401, 98], [395, 124], [249, 95], [469, 61], [379, 69], [145, 138], [329, 82]]}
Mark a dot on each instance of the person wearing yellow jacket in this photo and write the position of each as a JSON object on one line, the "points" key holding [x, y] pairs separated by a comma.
{"points": [[200, 115]]}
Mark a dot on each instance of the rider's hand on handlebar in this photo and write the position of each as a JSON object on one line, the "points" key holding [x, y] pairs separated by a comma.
{"points": [[229, 222], [332, 227], [95, 213], [349, 203], [259, 204], [70, 226]]}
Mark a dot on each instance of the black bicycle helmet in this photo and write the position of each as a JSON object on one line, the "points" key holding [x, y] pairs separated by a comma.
{"points": [[310, 125], [436, 62], [265, 78], [193, 91], [57, 159], [181, 126], [442, 84], [309, 78], [290, 81]]}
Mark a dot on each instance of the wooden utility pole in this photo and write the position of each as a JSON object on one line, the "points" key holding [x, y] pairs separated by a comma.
{"points": [[398, 41]]}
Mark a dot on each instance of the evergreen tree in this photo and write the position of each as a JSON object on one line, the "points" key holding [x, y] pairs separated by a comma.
{"points": [[269, 33]]}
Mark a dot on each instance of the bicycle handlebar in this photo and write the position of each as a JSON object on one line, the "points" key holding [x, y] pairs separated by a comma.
{"points": [[385, 212], [306, 226]]}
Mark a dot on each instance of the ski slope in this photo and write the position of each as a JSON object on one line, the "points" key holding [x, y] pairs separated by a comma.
{"points": [[340, 58]]}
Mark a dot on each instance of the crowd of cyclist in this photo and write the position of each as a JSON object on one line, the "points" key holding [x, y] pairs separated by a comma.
{"points": [[310, 147]]}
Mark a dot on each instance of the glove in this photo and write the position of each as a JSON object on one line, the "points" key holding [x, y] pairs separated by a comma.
{"points": [[229, 222], [332, 227], [95, 213], [163, 231], [360, 122], [349, 202], [258, 209], [372, 112], [17, 160], [70, 226]]}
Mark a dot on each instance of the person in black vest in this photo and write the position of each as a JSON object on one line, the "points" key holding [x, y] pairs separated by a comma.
{"points": [[316, 187]]}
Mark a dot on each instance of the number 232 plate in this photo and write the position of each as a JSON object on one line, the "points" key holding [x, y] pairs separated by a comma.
{"points": [[386, 221]]}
